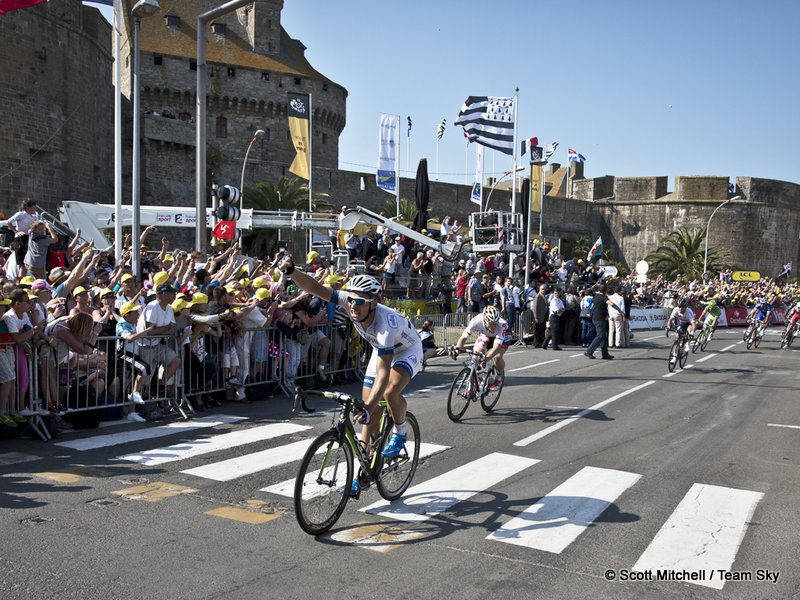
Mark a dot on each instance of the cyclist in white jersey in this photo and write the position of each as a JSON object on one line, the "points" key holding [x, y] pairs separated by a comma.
{"points": [[397, 349], [682, 316], [492, 331]]}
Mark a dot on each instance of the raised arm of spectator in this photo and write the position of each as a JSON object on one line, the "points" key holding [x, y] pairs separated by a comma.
{"points": [[77, 274], [147, 230], [74, 241], [305, 282], [164, 247]]}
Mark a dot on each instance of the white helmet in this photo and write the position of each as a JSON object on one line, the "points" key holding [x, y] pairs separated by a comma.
{"points": [[364, 283], [491, 314]]}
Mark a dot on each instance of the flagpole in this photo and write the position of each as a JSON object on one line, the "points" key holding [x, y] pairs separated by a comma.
{"points": [[437, 156], [466, 161], [397, 168], [514, 181], [117, 133], [310, 164]]}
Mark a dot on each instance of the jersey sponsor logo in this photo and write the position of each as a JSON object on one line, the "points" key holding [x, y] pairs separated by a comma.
{"points": [[392, 320]]}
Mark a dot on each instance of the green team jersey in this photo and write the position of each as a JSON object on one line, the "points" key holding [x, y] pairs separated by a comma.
{"points": [[713, 312]]}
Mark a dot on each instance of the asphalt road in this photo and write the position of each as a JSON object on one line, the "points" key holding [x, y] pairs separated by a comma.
{"points": [[591, 479]]}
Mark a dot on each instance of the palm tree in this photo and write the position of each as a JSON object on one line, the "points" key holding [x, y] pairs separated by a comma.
{"points": [[408, 209], [287, 194], [682, 252]]}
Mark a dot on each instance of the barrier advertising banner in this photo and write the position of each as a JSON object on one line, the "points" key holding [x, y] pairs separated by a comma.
{"points": [[736, 317], [649, 318]]}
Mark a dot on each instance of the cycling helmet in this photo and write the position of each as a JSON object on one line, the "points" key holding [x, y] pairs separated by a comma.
{"points": [[683, 303], [364, 283], [491, 315], [711, 303]]}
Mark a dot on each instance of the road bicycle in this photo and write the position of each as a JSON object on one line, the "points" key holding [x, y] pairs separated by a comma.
{"points": [[701, 341], [325, 477], [789, 333], [754, 333], [679, 352], [473, 383]]}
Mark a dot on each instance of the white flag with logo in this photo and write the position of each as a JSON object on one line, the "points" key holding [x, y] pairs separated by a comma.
{"points": [[477, 189], [386, 177]]}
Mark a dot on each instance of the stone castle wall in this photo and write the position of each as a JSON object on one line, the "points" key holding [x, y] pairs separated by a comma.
{"points": [[56, 142]]}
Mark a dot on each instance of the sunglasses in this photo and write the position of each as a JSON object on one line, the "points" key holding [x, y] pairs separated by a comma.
{"points": [[358, 301]]}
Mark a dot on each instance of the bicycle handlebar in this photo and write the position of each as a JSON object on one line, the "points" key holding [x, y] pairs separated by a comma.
{"points": [[340, 397]]}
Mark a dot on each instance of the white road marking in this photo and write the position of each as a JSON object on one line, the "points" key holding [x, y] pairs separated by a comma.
{"points": [[574, 355], [184, 450], [539, 435], [286, 488], [547, 362], [428, 499], [655, 337], [558, 518], [787, 426], [147, 433], [230, 469], [703, 533], [728, 348], [705, 358]]}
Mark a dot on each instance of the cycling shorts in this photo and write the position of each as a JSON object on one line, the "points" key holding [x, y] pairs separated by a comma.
{"points": [[710, 320], [409, 359], [795, 317]]}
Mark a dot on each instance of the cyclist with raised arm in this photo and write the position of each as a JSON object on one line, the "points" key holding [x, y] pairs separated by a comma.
{"points": [[709, 318], [396, 350], [681, 318], [493, 335]]}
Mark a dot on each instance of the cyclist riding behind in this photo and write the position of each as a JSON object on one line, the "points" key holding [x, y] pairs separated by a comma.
{"points": [[793, 316], [396, 349], [763, 312], [681, 318], [710, 317], [493, 335]]}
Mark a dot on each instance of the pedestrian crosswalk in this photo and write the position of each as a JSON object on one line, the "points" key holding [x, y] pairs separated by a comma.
{"points": [[703, 532]]}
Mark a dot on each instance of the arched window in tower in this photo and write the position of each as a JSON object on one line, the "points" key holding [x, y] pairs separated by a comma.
{"points": [[222, 127]]}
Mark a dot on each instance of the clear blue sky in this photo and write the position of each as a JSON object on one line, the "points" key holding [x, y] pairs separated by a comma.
{"points": [[639, 88]]}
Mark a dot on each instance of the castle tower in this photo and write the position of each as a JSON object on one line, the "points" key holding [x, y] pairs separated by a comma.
{"points": [[252, 64]]}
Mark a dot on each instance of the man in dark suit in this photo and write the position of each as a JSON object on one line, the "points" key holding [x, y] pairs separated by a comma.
{"points": [[539, 316]]}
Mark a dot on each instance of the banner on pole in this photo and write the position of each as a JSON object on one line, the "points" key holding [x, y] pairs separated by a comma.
{"points": [[477, 189], [386, 177], [536, 188], [299, 124]]}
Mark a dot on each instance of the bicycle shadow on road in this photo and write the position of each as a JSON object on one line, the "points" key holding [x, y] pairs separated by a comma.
{"points": [[508, 416], [489, 511]]}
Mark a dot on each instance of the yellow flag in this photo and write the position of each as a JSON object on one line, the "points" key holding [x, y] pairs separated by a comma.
{"points": [[536, 188], [299, 130]]}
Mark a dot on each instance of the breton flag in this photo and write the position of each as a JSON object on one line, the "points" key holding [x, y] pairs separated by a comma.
{"points": [[224, 230], [7, 5], [489, 121], [549, 149], [596, 251], [786, 268], [440, 129], [299, 124], [527, 144], [575, 157]]}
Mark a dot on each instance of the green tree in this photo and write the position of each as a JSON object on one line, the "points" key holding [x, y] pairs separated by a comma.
{"points": [[577, 247], [682, 252], [408, 209], [287, 195]]}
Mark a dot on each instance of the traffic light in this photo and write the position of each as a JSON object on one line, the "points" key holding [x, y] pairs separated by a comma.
{"points": [[228, 196]]}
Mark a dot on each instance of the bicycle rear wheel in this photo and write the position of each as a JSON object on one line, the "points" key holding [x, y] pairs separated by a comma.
{"points": [[674, 353], [683, 356], [490, 397], [696, 343], [323, 483], [395, 474], [757, 338], [704, 343], [460, 394]]}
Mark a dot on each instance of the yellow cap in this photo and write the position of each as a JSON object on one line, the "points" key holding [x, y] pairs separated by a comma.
{"points": [[244, 282], [32, 296], [169, 257], [199, 298], [179, 305], [126, 277], [79, 290], [160, 277], [5, 301], [333, 278], [260, 282], [27, 280], [231, 288], [128, 307], [311, 256], [105, 292], [262, 293]]}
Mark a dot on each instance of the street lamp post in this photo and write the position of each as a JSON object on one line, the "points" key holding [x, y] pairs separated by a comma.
{"points": [[705, 257], [141, 8], [256, 135], [506, 174]]}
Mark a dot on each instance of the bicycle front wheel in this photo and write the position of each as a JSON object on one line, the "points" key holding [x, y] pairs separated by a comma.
{"points": [[790, 337], [395, 474], [683, 356], [323, 483], [704, 343], [757, 335], [747, 331], [491, 396], [696, 344], [460, 394], [674, 353]]}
